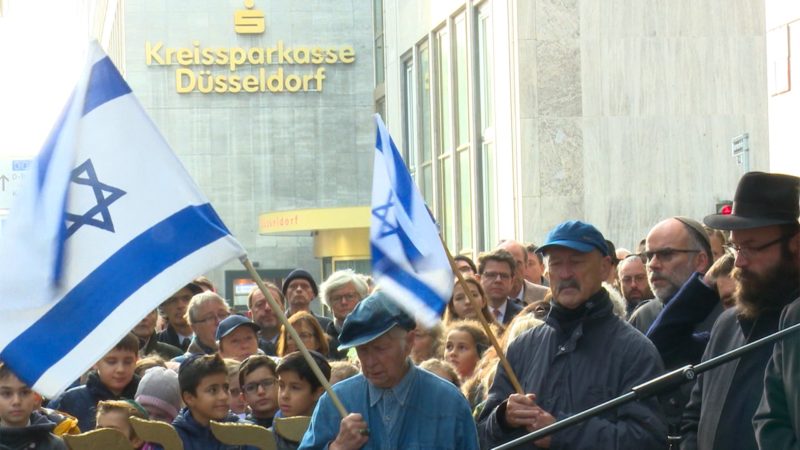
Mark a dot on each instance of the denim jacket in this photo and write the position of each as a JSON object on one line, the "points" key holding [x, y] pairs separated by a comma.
{"points": [[436, 416]]}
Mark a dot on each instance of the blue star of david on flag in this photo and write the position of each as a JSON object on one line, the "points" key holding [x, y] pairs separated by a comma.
{"points": [[105, 195], [388, 226]]}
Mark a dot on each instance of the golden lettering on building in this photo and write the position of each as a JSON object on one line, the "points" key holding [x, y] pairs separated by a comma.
{"points": [[275, 68]]}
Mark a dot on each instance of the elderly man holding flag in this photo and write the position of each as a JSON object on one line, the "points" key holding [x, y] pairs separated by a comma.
{"points": [[392, 403]]}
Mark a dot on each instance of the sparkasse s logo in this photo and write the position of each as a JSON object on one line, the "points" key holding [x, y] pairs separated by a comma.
{"points": [[250, 20]]}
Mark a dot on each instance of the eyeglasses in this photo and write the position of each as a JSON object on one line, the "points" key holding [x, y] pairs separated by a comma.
{"points": [[305, 336], [748, 251], [218, 317], [666, 254], [496, 275], [350, 297], [252, 388]]}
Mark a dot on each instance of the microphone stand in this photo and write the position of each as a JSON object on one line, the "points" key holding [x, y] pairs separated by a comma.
{"points": [[650, 388]]}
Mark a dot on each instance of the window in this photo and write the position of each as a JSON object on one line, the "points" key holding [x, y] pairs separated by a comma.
{"points": [[444, 126], [377, 16], [409, 122], [487, 180], [449, 127], [426, 144], [462, 126]]}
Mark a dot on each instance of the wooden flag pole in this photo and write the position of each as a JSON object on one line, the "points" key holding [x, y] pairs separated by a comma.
{"points": [[293, 333], [512, 377]]}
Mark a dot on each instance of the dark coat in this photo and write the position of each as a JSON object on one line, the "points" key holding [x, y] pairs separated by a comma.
{"points": [[38, 435], [162, 349], [724, 399], [81, 401], [170, 336], [333, 343], [197, 437], [680, 332], [777, 420], [512, 309], [603, 357]]}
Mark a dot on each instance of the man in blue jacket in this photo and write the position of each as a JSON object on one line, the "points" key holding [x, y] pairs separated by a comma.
{"points": [[392, 403], [584, 356]]}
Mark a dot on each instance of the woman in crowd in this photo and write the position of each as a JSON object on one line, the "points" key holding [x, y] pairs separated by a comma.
{"points": [[309, 331], [462, 307]]}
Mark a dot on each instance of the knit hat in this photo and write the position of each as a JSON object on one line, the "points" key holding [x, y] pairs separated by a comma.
{"points": [[159, 389], [299, 273]]}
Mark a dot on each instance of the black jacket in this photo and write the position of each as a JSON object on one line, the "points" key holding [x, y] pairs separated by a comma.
{"points": [[38, 435], [601, 358], [162, 349], [777, 420], [333, 343], [170, 336], [724, 399], [680, 332], [81, 401]]}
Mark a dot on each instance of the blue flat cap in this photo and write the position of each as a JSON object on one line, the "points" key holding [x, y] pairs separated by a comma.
{"points": [[576, 235], [371, 319], [233, 322]]}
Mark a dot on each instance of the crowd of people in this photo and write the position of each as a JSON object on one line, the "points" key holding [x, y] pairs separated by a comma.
{"points": [[579, 321]]}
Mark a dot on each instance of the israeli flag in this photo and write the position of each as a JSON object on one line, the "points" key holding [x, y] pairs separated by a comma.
{"points": [[107, 227], [408, 259]]}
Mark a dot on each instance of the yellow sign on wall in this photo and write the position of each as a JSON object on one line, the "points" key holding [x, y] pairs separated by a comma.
{"points": [[271, 68], [314, 219]]}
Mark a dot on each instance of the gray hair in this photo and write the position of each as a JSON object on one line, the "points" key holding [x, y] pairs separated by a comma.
{"points": [[198, 301], [338, 280]]}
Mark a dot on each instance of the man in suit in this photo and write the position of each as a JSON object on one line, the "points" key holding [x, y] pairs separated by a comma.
{"points": [[523, 292], [496, 271]]}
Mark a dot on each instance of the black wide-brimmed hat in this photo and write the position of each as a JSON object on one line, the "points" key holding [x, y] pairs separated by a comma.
{"points": [[761, 199]]}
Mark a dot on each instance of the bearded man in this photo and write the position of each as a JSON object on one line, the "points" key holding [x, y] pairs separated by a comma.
{"points": [[765, 235]]}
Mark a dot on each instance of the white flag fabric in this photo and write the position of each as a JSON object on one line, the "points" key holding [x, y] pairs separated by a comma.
{"points": [[108, 226], [408, 260]]}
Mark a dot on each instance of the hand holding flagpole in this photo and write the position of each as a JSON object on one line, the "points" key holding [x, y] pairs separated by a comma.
{"points": [[293, 333]]}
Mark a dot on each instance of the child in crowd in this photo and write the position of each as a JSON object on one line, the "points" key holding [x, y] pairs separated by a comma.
{"points": [[160, 394], [144, 364], [204, 387], [342, 370], [21, 426], [441, 368], [259, 386], [114, 414], [465, 342], [237, 405], [112, 378], [298, 389]]}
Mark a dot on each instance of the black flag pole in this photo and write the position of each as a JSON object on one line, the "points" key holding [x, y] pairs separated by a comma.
{"points": [[650, 388]]}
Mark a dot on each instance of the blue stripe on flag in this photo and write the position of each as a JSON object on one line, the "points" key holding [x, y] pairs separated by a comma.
{"points": [[105, 84], [403, 188], [388, 268], [92, 300]]}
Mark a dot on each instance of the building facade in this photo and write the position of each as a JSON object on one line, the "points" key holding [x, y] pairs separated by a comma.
{"points": [[269, 106], [783, 81], [516, 115]]}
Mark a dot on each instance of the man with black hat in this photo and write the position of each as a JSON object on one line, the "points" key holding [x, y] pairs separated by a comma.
{"points": [[300, 291], [765, 236], [392, 403], [585, 356]]}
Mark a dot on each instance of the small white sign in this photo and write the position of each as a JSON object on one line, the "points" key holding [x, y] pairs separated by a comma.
{"points": [[12, 173]]}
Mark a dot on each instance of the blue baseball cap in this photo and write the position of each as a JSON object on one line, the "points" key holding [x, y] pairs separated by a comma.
{"points": [[372, 318], [576, 235], [233, 322]]}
